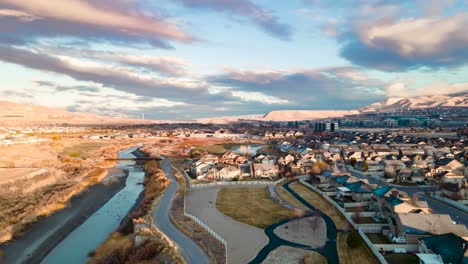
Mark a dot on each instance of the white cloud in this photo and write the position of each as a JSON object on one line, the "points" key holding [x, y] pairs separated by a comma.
{"points": [[437, 88], [417, 37], [18, 14], [258, 97]]}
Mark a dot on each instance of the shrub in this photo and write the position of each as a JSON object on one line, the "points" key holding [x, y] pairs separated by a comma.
{"points": [[354, 240]]}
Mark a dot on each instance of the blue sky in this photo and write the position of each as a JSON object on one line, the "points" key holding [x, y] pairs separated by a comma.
{"points": [[185, 59]]}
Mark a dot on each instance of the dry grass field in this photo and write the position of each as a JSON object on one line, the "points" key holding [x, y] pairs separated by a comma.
{"points": [[347, 255], [252, 206]]}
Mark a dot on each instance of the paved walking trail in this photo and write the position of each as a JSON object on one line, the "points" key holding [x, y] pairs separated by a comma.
{"points": [[244, 241], [191, 252]]}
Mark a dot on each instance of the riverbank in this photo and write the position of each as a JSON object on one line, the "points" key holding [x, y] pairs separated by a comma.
{"points": [[42, 236], [136, 239]]}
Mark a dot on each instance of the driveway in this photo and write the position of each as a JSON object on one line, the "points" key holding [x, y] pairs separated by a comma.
{"points": [[243, 241], [191, 252]]}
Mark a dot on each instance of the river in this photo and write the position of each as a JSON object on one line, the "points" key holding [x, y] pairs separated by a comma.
{"points": [[89, 235]]}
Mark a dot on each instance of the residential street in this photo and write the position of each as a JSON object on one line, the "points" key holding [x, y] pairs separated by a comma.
{"points": [[189, 249], [442, 208]]}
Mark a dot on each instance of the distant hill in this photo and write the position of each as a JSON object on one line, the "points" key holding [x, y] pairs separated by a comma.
{"points": [[299, 115], [420, 102], [282, 115], [13, 114]]}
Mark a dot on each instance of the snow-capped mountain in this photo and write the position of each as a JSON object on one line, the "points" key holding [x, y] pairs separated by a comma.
{"points": [[429, 101]]}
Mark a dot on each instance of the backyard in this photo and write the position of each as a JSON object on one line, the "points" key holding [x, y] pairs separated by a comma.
{"points": [[252, 206], [378, 238], [402, 258]]}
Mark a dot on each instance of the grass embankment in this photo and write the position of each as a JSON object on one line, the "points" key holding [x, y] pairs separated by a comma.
{"points": [[82, 150], [289, 198], [323, 205], [314, 258], [252, 206], [28, 199], [120, 246], [359, 255], [347, 255]]}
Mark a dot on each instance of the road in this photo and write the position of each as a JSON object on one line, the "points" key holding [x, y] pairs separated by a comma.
{"points": [[443, 208], [191, 252]]}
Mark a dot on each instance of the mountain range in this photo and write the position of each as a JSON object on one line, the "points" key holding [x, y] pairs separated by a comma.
{"points": [[13, 114], [420, 102]]}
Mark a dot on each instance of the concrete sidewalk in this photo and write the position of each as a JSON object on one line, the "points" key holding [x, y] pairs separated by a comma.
{"points": [[244, 241]]}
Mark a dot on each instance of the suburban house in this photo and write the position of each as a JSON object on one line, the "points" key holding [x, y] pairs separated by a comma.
{"points": [[390, 201], [209, 158], [265, 159], [413, 227], [373, 166], [393, 165], [358, 191], [201, 167], [265, 170], [341, 180], [229, 157], [228, 173], [450, 247]]}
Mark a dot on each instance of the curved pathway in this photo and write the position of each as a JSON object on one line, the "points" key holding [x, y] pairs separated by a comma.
{"points": [[191, 252], [243, 241], [329, 250]]}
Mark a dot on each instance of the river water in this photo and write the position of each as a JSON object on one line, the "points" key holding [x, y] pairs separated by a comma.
{"points": [[88, 236]]}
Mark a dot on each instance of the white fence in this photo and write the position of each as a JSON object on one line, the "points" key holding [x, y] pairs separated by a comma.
{"points": [[211, 231], [361, 214], [451, 202], [200, 222], [392, 247], [369, 227], [222, 183], [372, 228], [356, 204], [374, 250]]}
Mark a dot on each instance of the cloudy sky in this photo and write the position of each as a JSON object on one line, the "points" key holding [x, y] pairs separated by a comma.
{"points": [[185, 59]]}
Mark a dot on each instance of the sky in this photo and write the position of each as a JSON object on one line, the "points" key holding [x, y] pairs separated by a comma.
{"points": [[187, 59]]}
